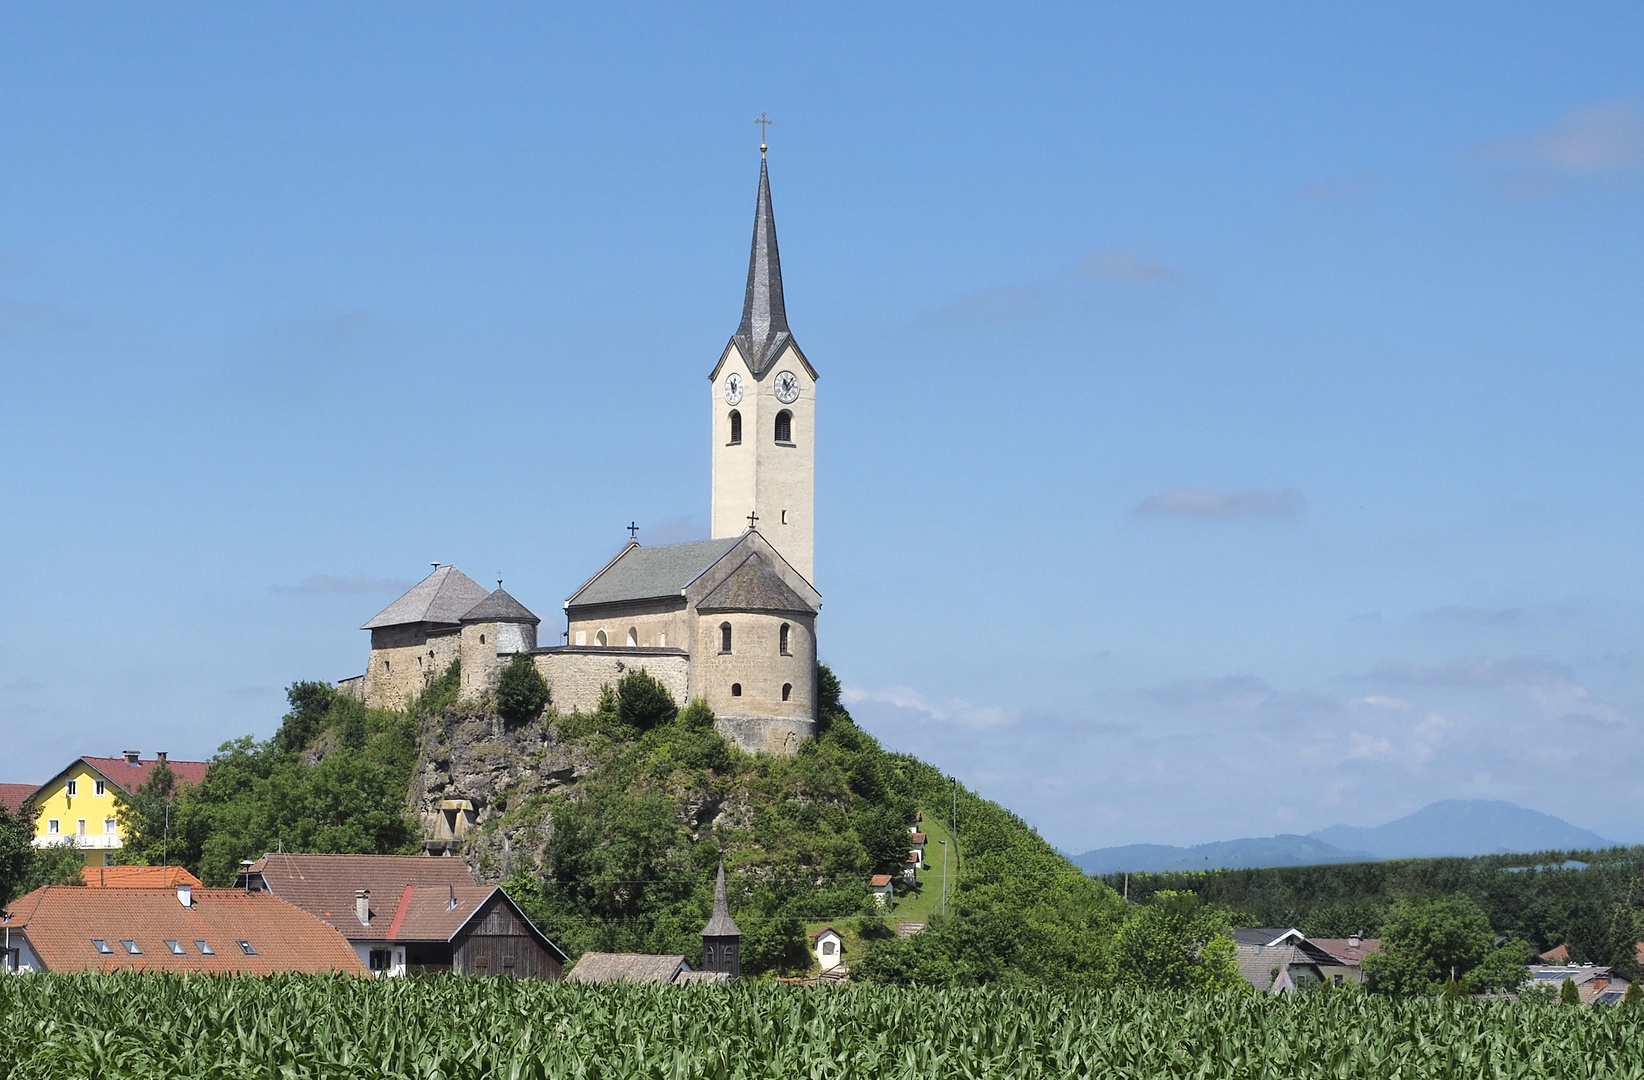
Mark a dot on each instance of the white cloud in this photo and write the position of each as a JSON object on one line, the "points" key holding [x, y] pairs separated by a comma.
{"points": [[1603, 140], [1202, 503], [953, 711], [1125, 267], [1379, 701]]}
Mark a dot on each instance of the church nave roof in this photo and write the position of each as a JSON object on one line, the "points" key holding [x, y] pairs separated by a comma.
{"points": [[650, 573]]}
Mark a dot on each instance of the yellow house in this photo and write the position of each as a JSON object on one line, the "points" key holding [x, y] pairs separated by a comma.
{"points": [[79, 805]]}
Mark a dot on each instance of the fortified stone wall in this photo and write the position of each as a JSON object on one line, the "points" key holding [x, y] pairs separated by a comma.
{"points": [[404, 660], [576, 674], [484, 645]]}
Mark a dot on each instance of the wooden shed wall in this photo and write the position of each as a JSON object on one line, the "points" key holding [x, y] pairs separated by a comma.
{"points": [[497, 942]]}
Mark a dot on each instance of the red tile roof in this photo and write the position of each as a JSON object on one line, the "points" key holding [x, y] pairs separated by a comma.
{"points": [[917, 838], [128, 777], [12, 795], [1558, 954], [60, 924], [137, 877], [881, 880], [324, 885], [1348, 955]]}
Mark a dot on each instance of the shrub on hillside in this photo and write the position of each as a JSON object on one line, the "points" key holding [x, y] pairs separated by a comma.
{"points": [[522, 692]]}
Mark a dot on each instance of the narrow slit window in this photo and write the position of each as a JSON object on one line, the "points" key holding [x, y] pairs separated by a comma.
{"points": [[782, 640], [787, 691], [784, 426], [724, 637], [736, 427]]}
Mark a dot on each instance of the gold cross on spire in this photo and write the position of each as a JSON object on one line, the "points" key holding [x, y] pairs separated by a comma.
{"points": [[763, 131]]}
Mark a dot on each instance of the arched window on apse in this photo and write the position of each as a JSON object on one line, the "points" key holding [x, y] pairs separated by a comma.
{"points": [[724, 637], [599, 638], [736, 427], [633, 638], [782, 640], [736, 689], [784, 426]]}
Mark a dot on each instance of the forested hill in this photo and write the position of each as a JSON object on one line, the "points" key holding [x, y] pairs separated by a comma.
{"points": [[1592, 901], [608, 827]]}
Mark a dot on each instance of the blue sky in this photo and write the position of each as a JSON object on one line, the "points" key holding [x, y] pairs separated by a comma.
{"points": [[1229, 417]]}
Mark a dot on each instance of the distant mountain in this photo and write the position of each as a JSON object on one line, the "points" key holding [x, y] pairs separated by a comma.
{"points": [[1465, 827], [1228, 854], [1451, 827]]}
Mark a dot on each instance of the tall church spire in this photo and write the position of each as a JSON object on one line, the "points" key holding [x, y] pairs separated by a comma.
{"points": [[721, 939], [764, 329]]}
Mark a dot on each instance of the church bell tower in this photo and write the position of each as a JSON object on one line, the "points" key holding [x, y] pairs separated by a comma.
{"points": [[764, 412]]}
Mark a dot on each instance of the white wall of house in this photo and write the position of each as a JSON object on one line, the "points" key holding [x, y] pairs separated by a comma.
{"points": [[396, 965]]}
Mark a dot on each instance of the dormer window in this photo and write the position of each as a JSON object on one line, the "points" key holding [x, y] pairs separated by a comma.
{"points": [[101, 946], [736, 428], [132, 947]]}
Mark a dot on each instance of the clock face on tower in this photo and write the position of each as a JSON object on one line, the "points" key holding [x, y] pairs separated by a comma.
{"points": [[733, 389], [787, 387]]}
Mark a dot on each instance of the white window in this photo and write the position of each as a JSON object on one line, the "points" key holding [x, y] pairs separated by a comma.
{"points": [[827, 948], [662, 640], [633, 638], [110, 826], [80, 830], [99, 788], [53, 827], [73, 788], [582, 637], [599, 638]]}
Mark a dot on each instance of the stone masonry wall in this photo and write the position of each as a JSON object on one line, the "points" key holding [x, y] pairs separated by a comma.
{"points": [[575, 675]]}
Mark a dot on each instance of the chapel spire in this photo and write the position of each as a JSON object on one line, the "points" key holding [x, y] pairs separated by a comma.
{"points": [[721, 938], [764, 329]]}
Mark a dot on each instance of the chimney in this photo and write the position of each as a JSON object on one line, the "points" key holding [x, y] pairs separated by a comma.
{"points": [[160, 756], [132, 756], [1353, 940], [185, 895], [362, 906]]}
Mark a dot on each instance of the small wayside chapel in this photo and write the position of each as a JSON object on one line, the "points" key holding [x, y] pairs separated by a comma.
{"points": [[730, 619]]}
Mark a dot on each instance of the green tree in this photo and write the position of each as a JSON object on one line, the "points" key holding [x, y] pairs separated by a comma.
{"points": [[56, 864], [644, 703], [145, 818], [1427, 943], [1505, 968], [1634, 995], [1568, 994], [1175, 942], [16, 850], [311, 704], [522, 692]]}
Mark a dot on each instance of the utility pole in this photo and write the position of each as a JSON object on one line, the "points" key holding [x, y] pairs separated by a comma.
{"points": [[944, 844]]}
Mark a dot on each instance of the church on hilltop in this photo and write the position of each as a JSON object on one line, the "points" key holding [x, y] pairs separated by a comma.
{"points": [[731, 620]]}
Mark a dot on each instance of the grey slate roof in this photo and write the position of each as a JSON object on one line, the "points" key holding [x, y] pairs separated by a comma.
{"points": [[500, 607], [626, 967], [646, 573], [753, 586], [764, 330], [721, 924], [701, 977], [1266, 935], [444, 596]]}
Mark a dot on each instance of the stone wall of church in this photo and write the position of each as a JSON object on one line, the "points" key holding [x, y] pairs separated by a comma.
{"points": [[577, 674], [764, 698], [657, 624], [404, 660], [485, 648]]}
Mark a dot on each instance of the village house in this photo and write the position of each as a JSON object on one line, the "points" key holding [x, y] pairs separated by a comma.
{"points": [[916, 848], [60, 928], [12, 796], [1274, 959], [410, 914], [138, 877], [882, 889], [1597, 984], [80, 805], [1347, 954]]}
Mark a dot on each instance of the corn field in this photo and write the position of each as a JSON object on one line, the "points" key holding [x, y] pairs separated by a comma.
{"points": [[106, 1026]]}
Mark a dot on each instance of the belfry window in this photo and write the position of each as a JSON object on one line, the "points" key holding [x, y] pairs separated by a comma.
{"points": [[782, 640], [725, 637], [736, 427], [784, 426]]}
